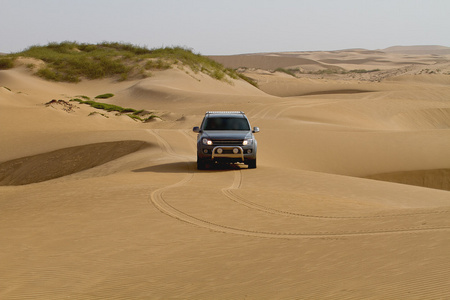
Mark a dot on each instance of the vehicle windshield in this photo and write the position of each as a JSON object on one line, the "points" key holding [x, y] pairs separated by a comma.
{"points": [[224, 123]]}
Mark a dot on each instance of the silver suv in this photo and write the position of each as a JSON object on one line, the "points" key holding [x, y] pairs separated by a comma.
{"points": [[225, 136]]}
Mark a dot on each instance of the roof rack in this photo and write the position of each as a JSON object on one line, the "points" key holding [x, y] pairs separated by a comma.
{"points": [[225, 112]]}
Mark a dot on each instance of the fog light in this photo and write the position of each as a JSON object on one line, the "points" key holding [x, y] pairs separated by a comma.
{"points": [[235, 150], [205, 151], [249, 151], [219, 151]]}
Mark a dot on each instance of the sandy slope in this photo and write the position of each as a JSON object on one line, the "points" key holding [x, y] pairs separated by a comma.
{"points": [[132, 218]]}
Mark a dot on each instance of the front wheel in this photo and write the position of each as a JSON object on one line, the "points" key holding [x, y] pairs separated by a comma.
{"points": [[251, 163]]}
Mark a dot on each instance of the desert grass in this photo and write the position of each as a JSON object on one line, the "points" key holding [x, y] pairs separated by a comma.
{"points": [[137, 115], [6, 63], [330, 71], [104, 96], [72, 61], [105, 106]]}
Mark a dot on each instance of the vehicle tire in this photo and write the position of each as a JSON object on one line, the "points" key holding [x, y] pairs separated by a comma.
{"points": [[201, 164], [251, 163]]}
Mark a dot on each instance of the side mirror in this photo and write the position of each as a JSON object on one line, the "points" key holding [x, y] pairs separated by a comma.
{"points": [[255, 129], [196, 129]]}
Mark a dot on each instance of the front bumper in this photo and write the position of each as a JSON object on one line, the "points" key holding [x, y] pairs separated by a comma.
{"points": [[226, 153]]}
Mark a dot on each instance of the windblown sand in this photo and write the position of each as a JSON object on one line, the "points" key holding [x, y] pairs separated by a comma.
{"points": [[99, 206]]}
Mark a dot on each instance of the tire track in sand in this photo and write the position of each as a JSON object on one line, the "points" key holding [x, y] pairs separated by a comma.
{"points": [[158, 200], [229, 193]]}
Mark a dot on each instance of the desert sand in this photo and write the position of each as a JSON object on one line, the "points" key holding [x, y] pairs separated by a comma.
{"points": [[99, 206]]}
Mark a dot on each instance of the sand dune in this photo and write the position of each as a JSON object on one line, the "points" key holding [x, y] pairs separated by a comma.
{"points": [[350, 199], [393, 61], [264, 61], [437, 179], [435, 50]]}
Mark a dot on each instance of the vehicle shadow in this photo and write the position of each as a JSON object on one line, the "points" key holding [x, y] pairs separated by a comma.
{"points": [[188, 167], [221, 167]]}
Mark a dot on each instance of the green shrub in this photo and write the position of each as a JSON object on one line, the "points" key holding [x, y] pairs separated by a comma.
{"points": [[151, 117], [49, 74], [363, 71], [287, 71], [218, 74], [159, 64], [105, 106], [134, 117], [131, 112], [232, 73], [248, 79], [84, 97], [327, 72], [6, 63], [137, 112], [104, 96]]}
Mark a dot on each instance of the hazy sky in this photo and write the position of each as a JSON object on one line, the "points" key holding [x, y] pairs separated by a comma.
{"points": [[227, 27]]}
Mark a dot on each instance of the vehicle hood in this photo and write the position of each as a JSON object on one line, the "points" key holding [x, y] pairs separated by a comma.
{"points": [[227, 134]]}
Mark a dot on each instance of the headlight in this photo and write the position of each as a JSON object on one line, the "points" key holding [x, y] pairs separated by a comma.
{"points": [[247, 142], [207, 142]]}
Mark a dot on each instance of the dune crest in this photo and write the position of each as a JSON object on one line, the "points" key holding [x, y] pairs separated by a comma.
{"points": [[435, 179]]}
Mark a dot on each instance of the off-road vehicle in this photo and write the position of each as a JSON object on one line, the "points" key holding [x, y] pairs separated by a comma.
{"points": [[225, 136]]}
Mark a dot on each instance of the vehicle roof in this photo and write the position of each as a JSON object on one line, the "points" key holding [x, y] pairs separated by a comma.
{"points": [[232, 114]]}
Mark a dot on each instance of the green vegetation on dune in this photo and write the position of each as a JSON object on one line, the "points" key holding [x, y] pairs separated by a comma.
{"points": [[6, 63], [104, 96], [71, 61], [137, 115], [104, 106], [248, 79], [296, 71]]}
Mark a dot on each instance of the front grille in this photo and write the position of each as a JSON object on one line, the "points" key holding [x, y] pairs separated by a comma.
{"points": [[227, 142], [228, 151]]}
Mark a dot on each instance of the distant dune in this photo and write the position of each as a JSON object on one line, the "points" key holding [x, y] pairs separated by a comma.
{"points": [[420, 50], [264, 61], [330, 62], [350, 199]]}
